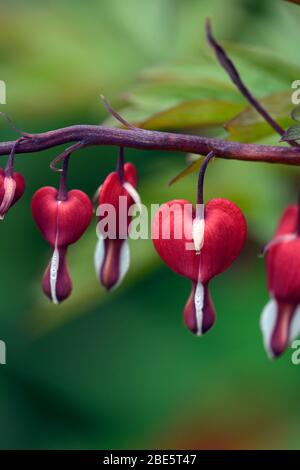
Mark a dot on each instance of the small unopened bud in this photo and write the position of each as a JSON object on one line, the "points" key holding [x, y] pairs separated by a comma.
{"points": [[11, 189]]}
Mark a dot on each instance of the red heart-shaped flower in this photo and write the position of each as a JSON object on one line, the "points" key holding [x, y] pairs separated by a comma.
{"points": [[61, 222], [224, 236]]}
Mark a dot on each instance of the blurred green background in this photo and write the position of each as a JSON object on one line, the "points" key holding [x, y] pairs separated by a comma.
{"points": [[119, 370]]}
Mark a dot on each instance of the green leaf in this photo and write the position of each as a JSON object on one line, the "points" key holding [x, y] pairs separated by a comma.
{"points": [[184, 115], [262, 61], [193, 114], [249, 126], [170, 91], [293, 133], [191, 168]]}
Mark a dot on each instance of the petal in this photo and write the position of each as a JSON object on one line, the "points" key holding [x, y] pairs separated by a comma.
{"points": [[198, 228], [99, 254], [70, 217], [9, 194], [267, 324], [199, 315], [224, 236], [134, 195], [280, 325], [112, 260], [57, 283]]}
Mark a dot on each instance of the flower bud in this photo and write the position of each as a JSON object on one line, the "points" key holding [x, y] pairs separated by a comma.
{"points": [[112, 256], [11, 189]]}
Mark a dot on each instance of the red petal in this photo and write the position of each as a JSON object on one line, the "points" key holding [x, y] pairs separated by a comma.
{"points": [[115, 262], [62, 287], [283, 260], [18, 191], [130, 174], [63, 222], [224, 236], [111, 191]]}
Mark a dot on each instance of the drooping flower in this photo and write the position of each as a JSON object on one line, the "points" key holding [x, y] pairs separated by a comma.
{"points": [[112, 256], [12, 186], [61, 222], [280, 319], [207, 244]]}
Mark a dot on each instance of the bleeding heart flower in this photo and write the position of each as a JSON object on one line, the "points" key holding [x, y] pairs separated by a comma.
{"points": [[112, 256], [61, 222], [280, 319], [11, 189], [205, 246]]}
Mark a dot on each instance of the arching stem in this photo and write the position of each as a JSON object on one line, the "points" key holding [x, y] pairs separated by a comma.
{"points": [[9, 169], [120, 165], [63, 189], [200, 197]]}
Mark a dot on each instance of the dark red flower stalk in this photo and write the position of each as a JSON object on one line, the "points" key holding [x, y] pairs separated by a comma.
{"points": [[280, 319], [62, 217], [112, 256], [199, 244]]}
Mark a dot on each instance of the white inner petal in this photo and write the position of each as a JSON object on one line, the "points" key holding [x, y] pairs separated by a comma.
{"points": [[288, 237], [267, 324], [54, 263], [295, 325], [96, 194], [199, 303], [53, 274], [99, 254], [134, 194], [198, 234], [9, 193], [198, 228], [124, 262]]}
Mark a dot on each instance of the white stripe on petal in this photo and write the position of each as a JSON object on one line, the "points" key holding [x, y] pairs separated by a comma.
{"points": [[54, 263], [288, 237], [295, 325], [199, 303], [124, 262], [198, 234], [53, 273], [99, 254], [134, 194], [267, 324], [198, 228]]}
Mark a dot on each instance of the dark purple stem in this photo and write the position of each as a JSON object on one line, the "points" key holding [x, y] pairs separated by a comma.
{"points": [[62, 194], [9, 169], [120, 165], [200, 196], [153, 140], [232, 72]]}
